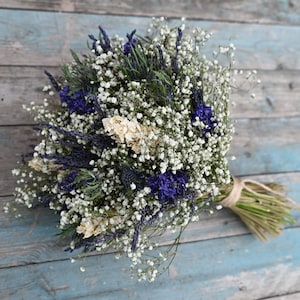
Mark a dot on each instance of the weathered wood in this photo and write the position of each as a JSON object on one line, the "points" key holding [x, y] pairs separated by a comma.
{"points": [[18, 86], [14, 142], [256, 11], [31, 245], [292, 296], [266, 146], [233, 268], [260, 145], [277, 96], [218, 258], [26, 40]]}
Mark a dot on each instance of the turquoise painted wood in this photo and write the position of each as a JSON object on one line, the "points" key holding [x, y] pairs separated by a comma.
{"points": [[211, 269], [218, 258], [28, 38]]}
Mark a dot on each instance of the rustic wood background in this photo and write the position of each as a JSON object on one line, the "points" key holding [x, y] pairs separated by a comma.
{"points": [[218, 258]]}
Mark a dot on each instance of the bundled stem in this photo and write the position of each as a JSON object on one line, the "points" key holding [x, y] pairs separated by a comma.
{"points": [[262, 207]]}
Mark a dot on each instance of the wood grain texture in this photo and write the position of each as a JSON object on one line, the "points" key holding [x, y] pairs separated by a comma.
{"points": [[266, 146], [239, 268], [218, 258], [18, 86], [44, 38], [292, 296], [277, 96], [14, 142], [256, 11]]}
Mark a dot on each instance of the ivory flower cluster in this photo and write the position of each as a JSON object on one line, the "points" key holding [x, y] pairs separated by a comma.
{"points": [[96, 225], [132, 133]]}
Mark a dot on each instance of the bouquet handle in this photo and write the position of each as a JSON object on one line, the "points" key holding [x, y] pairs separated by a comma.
{"points": [[261, 206]]}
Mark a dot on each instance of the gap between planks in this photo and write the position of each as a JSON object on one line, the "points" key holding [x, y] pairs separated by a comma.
{"points": [[268, 12]]}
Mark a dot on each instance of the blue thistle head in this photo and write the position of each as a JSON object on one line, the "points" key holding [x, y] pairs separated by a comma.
{"points": [[68, 183], [129, 176]]}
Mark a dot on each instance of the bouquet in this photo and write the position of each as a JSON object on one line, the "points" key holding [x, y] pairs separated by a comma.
{"points": [[134, 142]]}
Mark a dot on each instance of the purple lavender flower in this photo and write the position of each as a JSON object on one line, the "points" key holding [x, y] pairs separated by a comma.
{"points": [[68, 183], [94, 45], [168, 186], [52, 80], [162, 61], [205, 115], [77, 159], [104, 41], [174, 60], [130, 44], [76, 102], [197, 95]]}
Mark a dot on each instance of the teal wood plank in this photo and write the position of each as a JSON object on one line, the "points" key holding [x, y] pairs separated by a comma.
{"points": [[291, 296], [231, 268], [44, 38], [18, 86], [33, 238], [276, 11], [266, 146]]}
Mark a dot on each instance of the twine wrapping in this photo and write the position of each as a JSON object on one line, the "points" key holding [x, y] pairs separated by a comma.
{"points": [[239, 185], [261, 207]]}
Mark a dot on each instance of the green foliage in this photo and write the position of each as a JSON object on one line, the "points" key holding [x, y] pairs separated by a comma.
{"points": [[146, 68], [90, 186], [79, 75]]}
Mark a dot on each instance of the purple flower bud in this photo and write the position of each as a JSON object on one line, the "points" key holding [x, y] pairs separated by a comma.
{"points": [[168, 186], [130, 44], [204, 114], [76, 102]]}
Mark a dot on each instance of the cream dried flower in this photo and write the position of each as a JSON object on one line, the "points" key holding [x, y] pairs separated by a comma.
{"points": [[40, 164], [125, 131], [96, 225]]}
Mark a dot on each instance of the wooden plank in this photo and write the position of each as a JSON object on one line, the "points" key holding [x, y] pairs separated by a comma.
{"points": [[280, 12], [230, 268], [292, 296], [260, 145], [18, 86], [277, 96], [14, 142], [32, 239], [265, 146], [44, 38]]}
